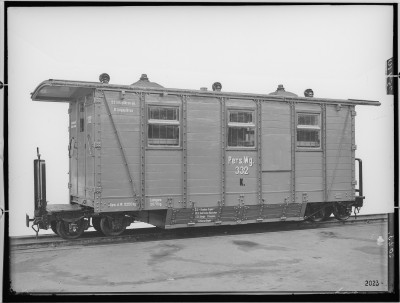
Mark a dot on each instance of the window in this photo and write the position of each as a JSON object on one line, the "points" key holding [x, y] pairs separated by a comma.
{"points": [[308, 130], [163, 126], [241, 128]]}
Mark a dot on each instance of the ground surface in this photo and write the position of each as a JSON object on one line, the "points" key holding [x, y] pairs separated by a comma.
{"points": [[339, 258]]}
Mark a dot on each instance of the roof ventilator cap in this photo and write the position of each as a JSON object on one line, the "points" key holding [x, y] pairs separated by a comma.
{"points": [[144, 77], [308, 93], [204, 89], [280, 91], [217, 86], [104, 78]]}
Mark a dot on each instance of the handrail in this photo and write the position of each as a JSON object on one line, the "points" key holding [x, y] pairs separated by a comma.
{"points": [[360, 178]]}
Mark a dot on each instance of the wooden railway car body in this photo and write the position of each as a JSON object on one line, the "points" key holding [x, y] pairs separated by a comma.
{"points": [[178, 158]]}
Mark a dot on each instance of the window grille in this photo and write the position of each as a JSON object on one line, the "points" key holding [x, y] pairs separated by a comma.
{"points": [[308, 130], [163, 126], [241, 128]]}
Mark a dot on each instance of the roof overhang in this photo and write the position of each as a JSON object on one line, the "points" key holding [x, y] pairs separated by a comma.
{"points": [[66, 91], [59, 91]]}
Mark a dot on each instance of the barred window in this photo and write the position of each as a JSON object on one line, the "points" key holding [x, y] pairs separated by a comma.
{"points": [[308, 130], [163, 126], [241, 128]]}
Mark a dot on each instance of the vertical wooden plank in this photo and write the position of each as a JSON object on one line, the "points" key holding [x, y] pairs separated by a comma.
{"points": [[143, 143], [353, 152], [293, 150], [259, 150], [73, 157], [324, 173], [184, 150], [223, 150]]}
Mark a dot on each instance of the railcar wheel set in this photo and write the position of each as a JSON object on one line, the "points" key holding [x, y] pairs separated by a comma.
{"points": [[179, 158]]}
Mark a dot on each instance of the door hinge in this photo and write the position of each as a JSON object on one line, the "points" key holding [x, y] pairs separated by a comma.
{"points": [[69, 185], [354, 147], [353, 113]]}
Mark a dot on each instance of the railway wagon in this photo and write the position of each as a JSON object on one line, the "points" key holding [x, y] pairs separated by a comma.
{"points": [[186, 158]]}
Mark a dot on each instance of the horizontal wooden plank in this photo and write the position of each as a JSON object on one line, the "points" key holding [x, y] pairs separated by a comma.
{"points": [[308, 180], [306, 166], [318, 173], [343, 175], [203, 137], [116, 151], [198, 171], [232, 199], [163, 174], [312, 196], [308, 160], [274, 131], [197, 123], [121, 127], [195, 150], [276, 181], [209, 182], [152, 189], [204, 110], [306, 187], [130, 140], [163, 99], [275, 198], [307, 107], [206, 160], [276, 124], [202, 102], [173, 183], [240, 103]]}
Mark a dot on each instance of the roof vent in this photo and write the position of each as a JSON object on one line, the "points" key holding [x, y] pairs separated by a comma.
{"points": [[280, 91], [217, 86], [104, 78], [308, 93], [143, 77], [204, 89], [145, 82]]}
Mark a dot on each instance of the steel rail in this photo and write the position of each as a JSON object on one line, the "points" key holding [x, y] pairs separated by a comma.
{"points": [[49, 242]]}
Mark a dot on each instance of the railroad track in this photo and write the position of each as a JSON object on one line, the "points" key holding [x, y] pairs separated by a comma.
{"points": [[50, 241]]}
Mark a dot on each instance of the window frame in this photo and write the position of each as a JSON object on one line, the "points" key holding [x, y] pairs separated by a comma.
{"points": [[229, 124], [310, 127], [163, 122]]}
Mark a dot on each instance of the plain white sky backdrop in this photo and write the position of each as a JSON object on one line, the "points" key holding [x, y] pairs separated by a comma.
{"points": [[338, 51]]}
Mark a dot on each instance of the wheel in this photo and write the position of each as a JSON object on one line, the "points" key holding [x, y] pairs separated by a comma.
{"points": [[96, 224], [318, 213], [341, 211], [112, 226], [53, 225], [69, 230]]}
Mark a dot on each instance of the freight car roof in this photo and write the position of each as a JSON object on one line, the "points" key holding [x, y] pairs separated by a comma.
{"points": [[65, 91]]}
